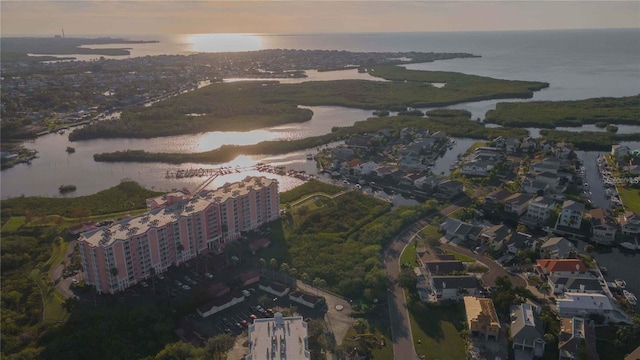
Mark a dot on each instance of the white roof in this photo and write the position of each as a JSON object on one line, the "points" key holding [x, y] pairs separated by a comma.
{"points": [[584, 302], [284, 337]]}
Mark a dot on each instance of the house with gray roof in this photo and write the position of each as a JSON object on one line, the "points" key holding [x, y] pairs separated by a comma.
{"points": [[557, 248], [526, 331], [584, 285], [451, 287], [448, 267]]}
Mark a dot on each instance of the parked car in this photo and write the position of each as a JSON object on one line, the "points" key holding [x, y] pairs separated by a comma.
{"points": [[144, 284], [246, 293], [186, 287], [208, 275], [160, 276]]}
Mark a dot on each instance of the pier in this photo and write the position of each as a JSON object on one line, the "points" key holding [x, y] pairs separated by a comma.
{"points": [[225, 170]]}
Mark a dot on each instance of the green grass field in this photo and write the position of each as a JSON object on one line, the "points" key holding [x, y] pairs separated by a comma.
{"points": [[376, 335], [436, 330], [409, 256], [630, 198], [430, 233], [14, 223]]}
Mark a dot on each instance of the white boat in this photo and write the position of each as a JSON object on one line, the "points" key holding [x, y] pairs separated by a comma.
{"points": [[632, 299], [629, 246], [620, 283]]}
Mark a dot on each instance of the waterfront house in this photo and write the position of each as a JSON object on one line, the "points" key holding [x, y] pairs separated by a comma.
{"points": [[526, 330], [571, 214], [454, 287], [581, 285], [409, 180], [477, 167], [557, 248], [449, 189], [630, 223], [576, 304], [603, 226], [358, 142], [529, 144], [494, 236], [482, 319], [574, 332], [517, 203], [497, 197], [561, 267], [619, 151], [539, 210]]}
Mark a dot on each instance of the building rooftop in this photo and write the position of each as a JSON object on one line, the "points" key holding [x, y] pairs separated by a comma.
{"points": [[584, 302], [283, 338], [602, 217], [161, 216], [518, 199], [572, 205], [455, 282], [524, 318], [553, 265], [475, 307]]}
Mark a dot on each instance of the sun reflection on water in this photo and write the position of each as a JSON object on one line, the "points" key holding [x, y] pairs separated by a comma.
{"points": [[224, 42]]}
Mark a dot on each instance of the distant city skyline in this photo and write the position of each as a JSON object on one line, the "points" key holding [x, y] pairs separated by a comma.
{"points": [[47, 18]]}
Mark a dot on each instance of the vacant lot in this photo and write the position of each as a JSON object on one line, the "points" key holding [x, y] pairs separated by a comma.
{"points": [[436, 330]]}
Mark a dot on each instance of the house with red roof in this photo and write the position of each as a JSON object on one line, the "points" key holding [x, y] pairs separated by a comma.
{"points": [[561, 267]]}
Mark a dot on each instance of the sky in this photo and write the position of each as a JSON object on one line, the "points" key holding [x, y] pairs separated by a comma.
{"points": [[20, 17]]}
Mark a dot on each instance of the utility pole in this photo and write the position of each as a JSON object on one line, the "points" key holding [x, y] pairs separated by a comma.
{"points": [[63, 33]]}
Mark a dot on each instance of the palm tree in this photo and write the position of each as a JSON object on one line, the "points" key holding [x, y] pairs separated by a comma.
{"points": [[463, 291], [545, 288], [263, 263], [361, 326]]}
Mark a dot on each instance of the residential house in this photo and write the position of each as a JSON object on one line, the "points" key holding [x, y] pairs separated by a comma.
{"points": [[436, 268], [454, 287], [526, 330], [387, 173], [410, 179], [411, 163], [422, 284], [512, 145], [532, 186], [630, 223], [519, 242], [562, 150], [449, 189], [455, 229], [367, 168], [574, 333], [557, 248], [571, 215], [499, 142], [477, 167], [561, 267], [529, 145], [576, 304], [603, 226], [539, 210], [428, 183], [497, 197], [482, 318], [619, 151], [549, 164], [517, 203], [358, 142], [494, 236], [549, 178], [583, 285], [341, 153]]}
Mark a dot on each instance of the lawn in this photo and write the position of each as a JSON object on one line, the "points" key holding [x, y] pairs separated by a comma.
{"points": [[378, 333], [14, 223], [409, 256], [436, 330], [460, 257], [630, 198]]}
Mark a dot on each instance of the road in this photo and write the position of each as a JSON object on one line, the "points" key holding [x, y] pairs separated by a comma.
{"points": [[398, 311]]}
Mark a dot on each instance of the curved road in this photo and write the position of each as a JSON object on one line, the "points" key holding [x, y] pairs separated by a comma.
{"points": [[398, 312]]}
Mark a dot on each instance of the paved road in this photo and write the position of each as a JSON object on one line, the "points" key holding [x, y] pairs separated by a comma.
{"points": [[398, 312]]}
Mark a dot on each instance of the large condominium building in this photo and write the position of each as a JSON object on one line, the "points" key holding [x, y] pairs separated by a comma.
{"points": [[178, 227]]}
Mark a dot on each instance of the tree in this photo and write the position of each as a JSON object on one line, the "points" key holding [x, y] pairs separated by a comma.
{"points": [[219, 345], [284, 268], [407, 279], [274, 264], [180, 351], [361, 325], [263, 263], [462, 291], [545, 288]]}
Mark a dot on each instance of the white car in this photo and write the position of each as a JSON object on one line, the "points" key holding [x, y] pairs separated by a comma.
{"points": [[186, 287], [160, 276], [208, 275]]}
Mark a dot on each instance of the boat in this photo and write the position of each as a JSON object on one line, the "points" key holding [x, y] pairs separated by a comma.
{"points": [[630, 246], [620, 283], [632, 299]]}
